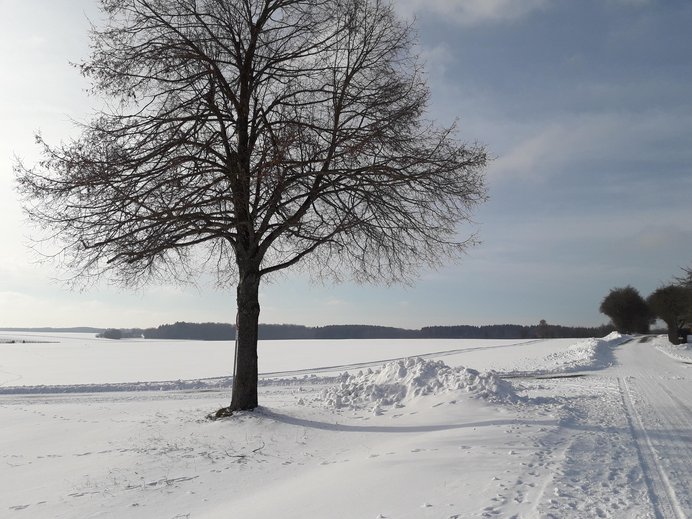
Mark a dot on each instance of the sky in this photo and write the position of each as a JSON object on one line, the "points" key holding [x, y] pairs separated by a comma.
{"points": [[585, 107]]}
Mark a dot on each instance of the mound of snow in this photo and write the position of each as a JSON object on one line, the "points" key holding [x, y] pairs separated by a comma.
{"points": [[401, 381], [615, 338], [587, 354]]}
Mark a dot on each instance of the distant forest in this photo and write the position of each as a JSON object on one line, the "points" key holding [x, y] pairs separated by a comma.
{"points": [[224, 332]]}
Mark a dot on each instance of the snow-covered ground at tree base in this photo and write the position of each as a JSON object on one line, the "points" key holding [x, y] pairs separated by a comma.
{"points": [[346, 429]]}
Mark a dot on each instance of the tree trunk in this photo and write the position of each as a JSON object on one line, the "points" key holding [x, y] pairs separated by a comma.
{"points": [[244, 394], [673, 332]]}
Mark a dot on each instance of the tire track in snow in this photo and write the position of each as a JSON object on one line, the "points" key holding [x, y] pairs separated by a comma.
{"points": [[222, 383], [675, 399], [15, 377], [377, 363], [594, 464], [661, 491]]}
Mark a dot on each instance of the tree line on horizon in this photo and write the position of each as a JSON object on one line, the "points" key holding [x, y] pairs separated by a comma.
{"points": [[226, 331]]}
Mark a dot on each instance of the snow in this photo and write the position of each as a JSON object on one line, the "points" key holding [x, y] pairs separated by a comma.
{"points": [[402, 381], [583, 355], [85, 359], [681, 352], [347, 429]]}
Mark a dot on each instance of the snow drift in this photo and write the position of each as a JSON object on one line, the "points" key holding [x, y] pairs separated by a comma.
{"points": [[588, 354], [681, 352], [402, 381]]}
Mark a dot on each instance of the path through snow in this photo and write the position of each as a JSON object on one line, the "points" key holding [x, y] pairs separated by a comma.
{"points": [[624, 445]]}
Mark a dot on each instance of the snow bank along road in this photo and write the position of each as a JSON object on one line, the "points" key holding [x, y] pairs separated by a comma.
{"points": [[609, 436]]}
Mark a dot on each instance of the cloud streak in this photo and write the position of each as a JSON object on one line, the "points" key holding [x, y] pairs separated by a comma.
{"points": [[541, 150], [473, 12]]}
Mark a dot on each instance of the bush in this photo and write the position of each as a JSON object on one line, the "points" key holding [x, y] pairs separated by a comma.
{"points": [[111, 333], [627, 310]]}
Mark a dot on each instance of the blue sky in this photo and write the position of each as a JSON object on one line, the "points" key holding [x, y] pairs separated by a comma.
{"points": [[585, 106]]}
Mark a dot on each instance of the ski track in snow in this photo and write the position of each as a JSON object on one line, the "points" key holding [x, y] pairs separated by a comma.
{"points": [[661, 424], [615, 443]]}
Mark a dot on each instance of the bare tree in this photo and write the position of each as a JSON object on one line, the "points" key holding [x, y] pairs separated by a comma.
{"points": [[686, 279], [255, 135], [673, 304]]}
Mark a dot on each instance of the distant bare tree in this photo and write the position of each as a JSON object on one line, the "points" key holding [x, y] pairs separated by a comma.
{"points": [[255, 135], [686, 279], [673, 304]]}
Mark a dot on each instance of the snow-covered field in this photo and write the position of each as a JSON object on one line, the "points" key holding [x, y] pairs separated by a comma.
{"points": [[347, 429]]}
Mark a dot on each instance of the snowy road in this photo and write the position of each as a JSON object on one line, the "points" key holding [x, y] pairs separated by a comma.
{"points": [[624, 448], [657, 396]]}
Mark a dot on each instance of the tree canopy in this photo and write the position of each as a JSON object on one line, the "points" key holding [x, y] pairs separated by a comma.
{"points": [[673, 305], [249, 136], [627, 310]]}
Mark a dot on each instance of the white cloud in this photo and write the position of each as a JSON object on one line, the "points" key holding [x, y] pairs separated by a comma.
{"points": [[437, 60], [541, 150], [473, 12], [529, 156]]}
